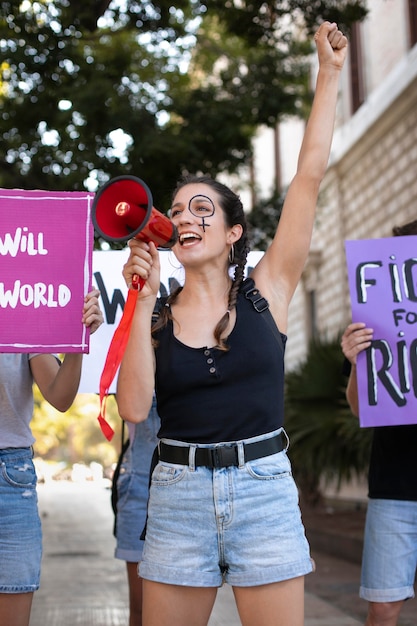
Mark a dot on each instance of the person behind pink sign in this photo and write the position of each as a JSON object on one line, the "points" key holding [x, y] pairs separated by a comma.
{"points": [[223, 506], [389, 560], [20, 525]]}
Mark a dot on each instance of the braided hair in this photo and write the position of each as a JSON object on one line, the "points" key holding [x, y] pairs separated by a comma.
{"points": [[232, 208]]}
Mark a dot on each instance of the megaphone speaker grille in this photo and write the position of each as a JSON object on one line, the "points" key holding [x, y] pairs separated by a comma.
{"points": [[121, 208]]}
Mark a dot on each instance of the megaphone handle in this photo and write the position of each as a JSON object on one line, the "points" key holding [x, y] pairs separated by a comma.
{"points": [[137, 282]]}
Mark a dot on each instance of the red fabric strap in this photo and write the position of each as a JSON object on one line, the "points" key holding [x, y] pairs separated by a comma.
{"points": [[114, 358]]}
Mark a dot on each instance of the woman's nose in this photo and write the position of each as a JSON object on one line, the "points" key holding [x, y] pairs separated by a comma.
{"points": [[186, 217]]}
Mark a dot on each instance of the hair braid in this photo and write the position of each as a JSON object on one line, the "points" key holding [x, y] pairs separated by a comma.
{"points": [[165, 313], [234, 214], [241, 252]]}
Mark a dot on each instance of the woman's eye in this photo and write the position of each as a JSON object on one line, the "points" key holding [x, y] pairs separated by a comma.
{"points": [[175, 213]]}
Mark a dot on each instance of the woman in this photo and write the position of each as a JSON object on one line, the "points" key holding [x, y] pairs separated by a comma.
{"points": [[20, 526], [223, 505]]}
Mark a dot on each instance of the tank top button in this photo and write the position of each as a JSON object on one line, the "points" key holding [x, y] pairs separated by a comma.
{"points": [[209, 361], [212, 370]]}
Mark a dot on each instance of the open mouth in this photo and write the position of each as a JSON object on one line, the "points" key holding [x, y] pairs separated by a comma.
{"points": [[188, 238]]}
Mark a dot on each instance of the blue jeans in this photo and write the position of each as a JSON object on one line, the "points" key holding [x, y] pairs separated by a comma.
{"points": [[133, 489], [20, 525], [390, 551], [241, 525]]}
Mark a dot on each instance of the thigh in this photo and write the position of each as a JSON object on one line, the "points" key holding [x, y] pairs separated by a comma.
{"points": [[263, 538], [20, 528], [174, 605], [390, 551], [276, 604], [181, 544]]}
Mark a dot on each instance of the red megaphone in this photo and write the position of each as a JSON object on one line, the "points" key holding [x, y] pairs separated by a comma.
{"points": [[122, 209]]}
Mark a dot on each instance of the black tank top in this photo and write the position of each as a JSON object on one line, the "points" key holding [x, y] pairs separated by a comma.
{"points": [[393, 468], [392, 473], [206, 395]]}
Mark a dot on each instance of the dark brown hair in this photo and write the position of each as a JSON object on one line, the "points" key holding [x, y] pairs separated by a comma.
{"points": [[232, 208], [405, 229]]}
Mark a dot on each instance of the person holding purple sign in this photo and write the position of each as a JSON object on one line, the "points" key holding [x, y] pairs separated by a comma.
{"points": [[20, 525], [223, 506], [389, 560]]}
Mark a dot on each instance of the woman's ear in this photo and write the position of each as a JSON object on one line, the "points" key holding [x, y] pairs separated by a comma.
{"points": [[235, 233]]}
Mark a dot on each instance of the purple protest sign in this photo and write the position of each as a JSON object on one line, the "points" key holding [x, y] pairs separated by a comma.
{"points": [[46, 245], [383, 291]]}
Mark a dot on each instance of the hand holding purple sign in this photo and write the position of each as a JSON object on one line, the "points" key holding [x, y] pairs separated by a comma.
{"points": [[46, 243], [383, 290]]}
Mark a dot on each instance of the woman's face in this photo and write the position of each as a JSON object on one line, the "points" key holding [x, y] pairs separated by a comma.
{"points": [[199, 218]]}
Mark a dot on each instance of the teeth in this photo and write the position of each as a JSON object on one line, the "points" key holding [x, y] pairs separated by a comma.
{"points": [[185, 236]]}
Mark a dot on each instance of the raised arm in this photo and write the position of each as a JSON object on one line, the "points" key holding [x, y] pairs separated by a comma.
{"points": [[59, 383], [279, 271], [357, 337]]}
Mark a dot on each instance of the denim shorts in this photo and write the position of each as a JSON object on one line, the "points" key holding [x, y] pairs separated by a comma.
{"points": [[390, 551], [20, 525], [240, 525], [133, 489]]}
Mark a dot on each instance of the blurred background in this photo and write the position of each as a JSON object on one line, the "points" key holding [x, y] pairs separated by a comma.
{"points": [[93, 90]]}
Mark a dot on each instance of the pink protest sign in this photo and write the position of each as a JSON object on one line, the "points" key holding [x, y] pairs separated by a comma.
{"points": [[46, 245], [383, 291]]}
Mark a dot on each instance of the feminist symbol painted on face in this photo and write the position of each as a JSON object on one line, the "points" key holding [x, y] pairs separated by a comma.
{"points": [[202, 207]]}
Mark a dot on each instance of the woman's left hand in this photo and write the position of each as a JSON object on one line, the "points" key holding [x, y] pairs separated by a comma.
{"points": [[92, 314]]}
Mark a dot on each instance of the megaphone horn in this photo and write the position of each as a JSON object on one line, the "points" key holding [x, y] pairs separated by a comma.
{"points": [[123, 209]]}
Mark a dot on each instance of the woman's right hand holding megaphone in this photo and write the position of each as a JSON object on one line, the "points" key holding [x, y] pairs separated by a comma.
{"points": [[143, 262]]}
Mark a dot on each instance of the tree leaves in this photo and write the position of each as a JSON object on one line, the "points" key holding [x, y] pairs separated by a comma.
{"points": [[186, 84]]}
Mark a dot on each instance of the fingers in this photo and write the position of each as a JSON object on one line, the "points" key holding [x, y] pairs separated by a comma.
{"points": [[324, 30], [141, 262], [336, 38], [94, 293], [356, 338], [92, 314], [94, 321], [330, 31], [331, 45]]}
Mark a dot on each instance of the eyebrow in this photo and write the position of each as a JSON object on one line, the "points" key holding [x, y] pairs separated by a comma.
{"points": [[197, 197], [202, 197]]}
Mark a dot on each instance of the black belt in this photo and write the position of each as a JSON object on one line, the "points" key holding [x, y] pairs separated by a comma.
{"points": [[221, 456]]}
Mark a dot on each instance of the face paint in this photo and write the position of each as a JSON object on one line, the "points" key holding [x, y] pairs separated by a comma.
{"points": [[202, 207]]}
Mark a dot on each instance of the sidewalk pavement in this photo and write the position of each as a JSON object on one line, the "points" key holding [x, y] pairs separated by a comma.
{"points": [[83, 584]]}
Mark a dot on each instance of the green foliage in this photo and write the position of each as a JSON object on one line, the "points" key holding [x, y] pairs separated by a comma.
{"points": [[64, 75], [257, 21], [343, 12], [327, 443], [184, 84]]}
